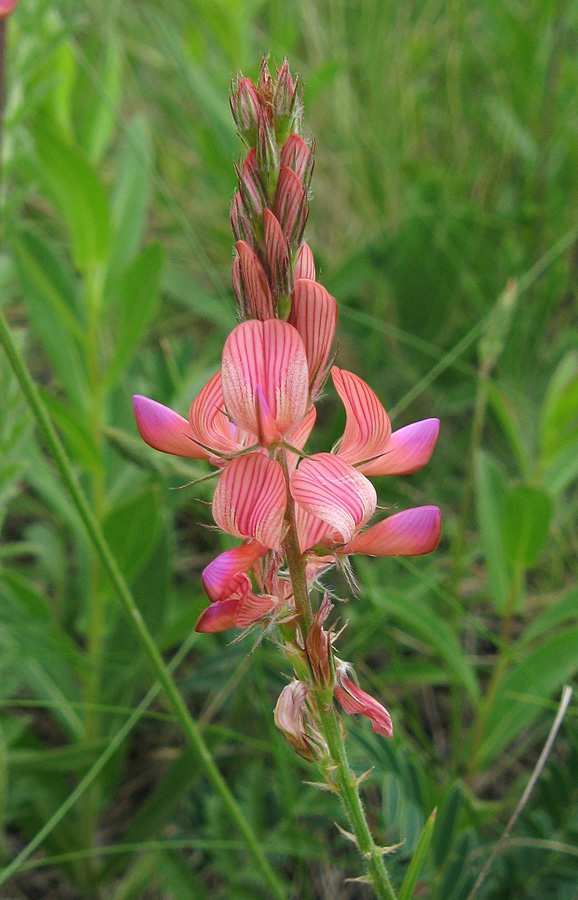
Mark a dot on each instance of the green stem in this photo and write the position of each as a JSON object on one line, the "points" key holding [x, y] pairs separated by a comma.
{"points": [[342, 775], [188, 725]]}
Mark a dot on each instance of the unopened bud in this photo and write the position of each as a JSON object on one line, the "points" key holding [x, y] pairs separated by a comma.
{"points": [[278, 255], [267, 155], [245, 106], [291, 205], [318, 646], [251, 187], [240, 223], [265, 85], [304, 263], [286, 104], [294, 717], [357, 702], [296, 155], [257, 299]]}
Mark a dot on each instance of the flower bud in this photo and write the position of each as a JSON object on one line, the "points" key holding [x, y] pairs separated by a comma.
{"points": [[356, 702], [251, 187], [294, 717], [240, 224], [267, 154], [286, 103], [296, 155], [278, 255], [265, 85], [257, 301], [318, 646], [291, 206], [245, 106]]}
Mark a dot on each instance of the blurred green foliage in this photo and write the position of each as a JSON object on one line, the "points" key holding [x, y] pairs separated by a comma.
{"points": [[444, 221]]}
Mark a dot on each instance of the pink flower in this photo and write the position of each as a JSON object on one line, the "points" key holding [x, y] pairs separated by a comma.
{"points": [[356, 702], [6, 7]]}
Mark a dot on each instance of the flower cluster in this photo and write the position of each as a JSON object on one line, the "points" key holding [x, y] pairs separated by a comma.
{"points": [[253, 418]]}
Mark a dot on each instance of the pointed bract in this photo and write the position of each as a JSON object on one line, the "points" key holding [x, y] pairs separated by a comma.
{"points": [[411, 532], [332, 490], [250, 499], [163, 429]]}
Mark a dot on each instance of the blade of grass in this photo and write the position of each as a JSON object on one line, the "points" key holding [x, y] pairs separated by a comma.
{"points": [[188, 724]]}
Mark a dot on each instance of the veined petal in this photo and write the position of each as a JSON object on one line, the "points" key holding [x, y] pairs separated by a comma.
{"points": [[367, 427], [257, 293], [252, 607], [291, 205], [335, 492], [250, 499], [314, 315], [163, 429], [217, 617], [298, 437], [408, 450], [221, 576], [269, 355], [411, 532], [208, 423], [278, 255], [296, 155], [304, 263], [357, 702], [311, 530]]}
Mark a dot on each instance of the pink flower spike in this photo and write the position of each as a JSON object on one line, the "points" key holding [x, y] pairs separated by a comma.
{"points": [[250, 499], [208, 423], [269, 355], [224, 575], [217, 617], [314, 315], [367, 428], [412, 532], [304, 263], [329, 488], [356, 702], [408, 450], [258, 301], [163, 429]]}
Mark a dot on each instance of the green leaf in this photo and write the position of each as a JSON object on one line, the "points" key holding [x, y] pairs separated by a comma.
{"points": [[525, 520], [446, 825], [421, 621], [137, 304], [130, 197], [559, 418], [418, 860], [51, 300], [102, 113], [565, 610], [132, 530], [490, 493], [77, 191], [520, 699]]}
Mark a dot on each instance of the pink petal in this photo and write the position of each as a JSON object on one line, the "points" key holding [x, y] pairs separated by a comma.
{"points": [[311, 529], [356, 702], [367, 428], [217, 617], [408, 450], [278, 255], [296, 155], [304, 263], [314, 315], [335, 492], [165, 430], [208, 423], [251, 608], [258, 300], [224, 575], [269, 355], [298, 437], [291, 205], [412, 532], [250, 499]]}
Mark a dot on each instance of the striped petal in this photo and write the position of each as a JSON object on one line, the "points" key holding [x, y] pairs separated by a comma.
{"points": [[298, 437], [250, 499], [367, 428], [225, 576], [314, 315], [163, 429], [310, 529], [207, 420], [412, 532], [265, 373], [217, 617], [291, 205], [252, 607], [258, 301], [278, 255], [304, 263], [357, 702], [408, 450], [332, 490], [296, 155]]}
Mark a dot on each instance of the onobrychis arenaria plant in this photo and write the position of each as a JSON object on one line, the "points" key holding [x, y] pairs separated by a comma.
{"points": [[296, 515]]}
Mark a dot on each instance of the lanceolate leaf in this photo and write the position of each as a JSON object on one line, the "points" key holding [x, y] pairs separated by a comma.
{"points": [[490, 493], [526, 516], [418, 860]]}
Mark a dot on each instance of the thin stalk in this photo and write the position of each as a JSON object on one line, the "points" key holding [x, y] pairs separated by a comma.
{"points": [[345, 780], [188, 724]]}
